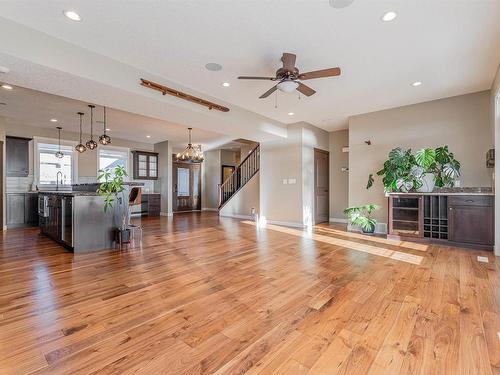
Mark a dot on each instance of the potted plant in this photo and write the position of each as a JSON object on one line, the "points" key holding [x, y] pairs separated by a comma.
{"points": [[360, 216], [112, 188], [404, 171]]}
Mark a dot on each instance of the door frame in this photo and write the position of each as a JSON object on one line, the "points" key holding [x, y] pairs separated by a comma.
{"points": [[327, 153], [176, 163]]}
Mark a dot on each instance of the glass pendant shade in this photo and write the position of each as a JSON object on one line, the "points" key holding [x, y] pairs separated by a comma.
{"points": [[104, 139], [91, 144], [80, 147], [192, 154], [59, 154], [288, 86]]}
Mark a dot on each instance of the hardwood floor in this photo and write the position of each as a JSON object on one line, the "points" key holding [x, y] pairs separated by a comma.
{"points": [[208, 295]]}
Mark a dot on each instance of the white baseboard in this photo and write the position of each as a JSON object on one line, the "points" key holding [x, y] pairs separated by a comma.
{"points": [[166, 214], [236, 216], [209, 209], [338, 220], [286, 223]]}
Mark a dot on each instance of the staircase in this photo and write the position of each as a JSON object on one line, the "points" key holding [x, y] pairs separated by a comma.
{"points": [[241, 175]]}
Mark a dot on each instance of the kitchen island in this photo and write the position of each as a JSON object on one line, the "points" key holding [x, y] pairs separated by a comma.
{"points": [[76, 218], [453, 216]]}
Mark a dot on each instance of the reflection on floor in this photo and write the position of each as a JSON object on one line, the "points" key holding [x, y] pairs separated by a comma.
{"points": [[210, 295], [357, 246]]}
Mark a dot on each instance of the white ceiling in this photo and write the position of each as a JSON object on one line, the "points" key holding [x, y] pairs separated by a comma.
{"points": [[452, 46], [34, 108]]}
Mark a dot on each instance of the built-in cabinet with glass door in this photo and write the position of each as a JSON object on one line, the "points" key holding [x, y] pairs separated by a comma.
{"points": [[145, 165]]}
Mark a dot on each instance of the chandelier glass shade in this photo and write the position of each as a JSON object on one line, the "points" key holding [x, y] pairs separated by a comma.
{"points": [[91, 144], [104, 139], [192, 154], [80, 147], [59, 153]]}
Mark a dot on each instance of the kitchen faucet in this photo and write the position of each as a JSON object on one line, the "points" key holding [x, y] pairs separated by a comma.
{"points": [[57, 180]]}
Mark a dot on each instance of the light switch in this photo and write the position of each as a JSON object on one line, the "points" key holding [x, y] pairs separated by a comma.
{"points": [[285, 181], [292, 181]]}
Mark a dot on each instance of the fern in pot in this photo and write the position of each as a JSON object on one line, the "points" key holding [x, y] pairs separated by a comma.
{"points": [[112, 188], [360, 216]]}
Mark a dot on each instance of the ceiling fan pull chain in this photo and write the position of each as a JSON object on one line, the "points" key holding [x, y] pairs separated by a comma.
{"points": [[276, 100]]}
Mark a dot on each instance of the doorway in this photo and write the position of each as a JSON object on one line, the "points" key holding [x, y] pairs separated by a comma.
{"points": [[321, 186], [186, 185], [226, 172]]}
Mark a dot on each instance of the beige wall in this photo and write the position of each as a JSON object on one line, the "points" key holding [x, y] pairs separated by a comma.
{"points": [[241, 204], [462, 123], [163, 184], [291, 158], [339, 181], [210, 179], [495, 123]]}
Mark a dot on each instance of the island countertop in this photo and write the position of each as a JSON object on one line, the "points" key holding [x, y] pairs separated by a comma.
{"points": [[453, 191]]}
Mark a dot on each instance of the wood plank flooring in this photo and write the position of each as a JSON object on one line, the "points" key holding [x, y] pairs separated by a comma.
{"points": [[210, 295]]}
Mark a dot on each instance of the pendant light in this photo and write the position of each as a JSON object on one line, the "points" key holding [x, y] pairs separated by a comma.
{"points": [[80, 147], [91, 144], [104, 139], [59, 153], [191, 154]]}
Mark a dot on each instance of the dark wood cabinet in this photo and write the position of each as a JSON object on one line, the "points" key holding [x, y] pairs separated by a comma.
{"points": [[472, 220], [457, 220], [145, 165], [17, 156], [31, 209]]}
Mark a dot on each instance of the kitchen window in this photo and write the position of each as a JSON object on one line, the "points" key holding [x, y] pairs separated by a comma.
{"points": [[47, 166], [110, 158]]}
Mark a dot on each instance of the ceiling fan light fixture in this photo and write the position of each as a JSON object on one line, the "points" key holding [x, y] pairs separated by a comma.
{"points": [[288, 86]]}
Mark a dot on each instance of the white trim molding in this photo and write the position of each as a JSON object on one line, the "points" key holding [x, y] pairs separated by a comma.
{"points": [[338, 220], [287, 223], [209, 209], [236, 216]]}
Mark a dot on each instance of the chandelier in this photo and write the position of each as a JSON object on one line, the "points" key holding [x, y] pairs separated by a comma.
{"points": [[192, 154]]}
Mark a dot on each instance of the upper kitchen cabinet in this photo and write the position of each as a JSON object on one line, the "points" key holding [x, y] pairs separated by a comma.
{"points": [[17, 156], [145, 165]]}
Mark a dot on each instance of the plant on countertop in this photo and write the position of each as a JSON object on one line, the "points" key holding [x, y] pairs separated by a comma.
{"points": [[404, 172], [113, 184], [360, 216]]}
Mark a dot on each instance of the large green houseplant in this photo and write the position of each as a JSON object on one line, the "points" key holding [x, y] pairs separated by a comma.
{"points": [[360, 217], [112, 188], [404, 171]]}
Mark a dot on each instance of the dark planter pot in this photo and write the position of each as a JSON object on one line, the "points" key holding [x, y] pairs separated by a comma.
{"points": [[123, 235], [368, 232]]}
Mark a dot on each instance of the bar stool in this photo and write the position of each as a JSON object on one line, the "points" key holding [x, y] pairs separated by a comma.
{"points": [[134, 199]]}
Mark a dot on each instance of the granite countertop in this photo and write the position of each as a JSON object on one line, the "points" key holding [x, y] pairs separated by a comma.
{"points": [[71, 193], [454, 191]]}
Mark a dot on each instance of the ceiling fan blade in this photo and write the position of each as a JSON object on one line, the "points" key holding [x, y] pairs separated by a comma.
{"points": [[306, 90], [263, 78], [268, 92], [321, 73], [288, 61]]}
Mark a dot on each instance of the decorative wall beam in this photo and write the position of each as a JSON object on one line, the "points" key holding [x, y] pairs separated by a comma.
{"points": [[181, 95]]}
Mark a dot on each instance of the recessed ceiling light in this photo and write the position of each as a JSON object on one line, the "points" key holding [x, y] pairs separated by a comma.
{"points": [[290, 113], [148, 136], [340, 3], [226, 84], [108, 129], [416, 83], [53, 120], [389, 16], [7, 87], [72, 15], [213, 67]]}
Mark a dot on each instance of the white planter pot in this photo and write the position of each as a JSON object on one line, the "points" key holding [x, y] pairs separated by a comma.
{"points": [[428, 183]]}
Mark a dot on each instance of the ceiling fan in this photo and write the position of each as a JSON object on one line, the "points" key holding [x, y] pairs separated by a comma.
{"points": [[289, 75]]}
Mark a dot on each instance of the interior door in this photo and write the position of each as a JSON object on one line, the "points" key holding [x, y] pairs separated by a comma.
{"points": [[321, 186], [186, 186]]}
